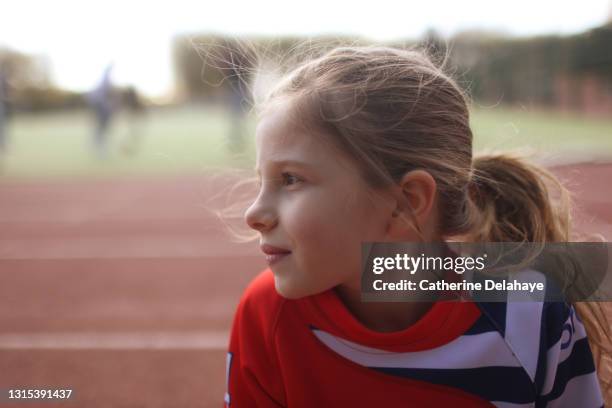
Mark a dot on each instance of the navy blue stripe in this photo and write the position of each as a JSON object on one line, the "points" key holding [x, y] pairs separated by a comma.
{"points": [[555, 315], [553, 290], [580, 362], [510, 384], [482, 325], [540, 374], [496, 313]]}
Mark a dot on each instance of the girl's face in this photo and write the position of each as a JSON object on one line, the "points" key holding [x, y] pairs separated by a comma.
{"points": [[313, 203]]}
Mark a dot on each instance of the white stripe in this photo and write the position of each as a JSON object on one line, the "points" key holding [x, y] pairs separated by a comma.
{"points": [[552, 356], [503, 404], [200, 340], [527, 276], [228, 365], [474, 351], [582, 391], [556, 356], [523, 323]]}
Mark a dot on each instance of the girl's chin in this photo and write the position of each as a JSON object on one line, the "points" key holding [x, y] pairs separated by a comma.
{"points": [[286, 290], [291, 290]]}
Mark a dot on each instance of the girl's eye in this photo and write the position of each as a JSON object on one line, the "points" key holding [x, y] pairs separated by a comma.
{"points": [[286, 179], [290, 179]]}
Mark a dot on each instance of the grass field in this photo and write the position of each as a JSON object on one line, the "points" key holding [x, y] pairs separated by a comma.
{"points": [[193, 139]]}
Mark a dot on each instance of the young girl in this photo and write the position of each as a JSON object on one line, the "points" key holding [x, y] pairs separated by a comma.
{"points": [[373, 144]]}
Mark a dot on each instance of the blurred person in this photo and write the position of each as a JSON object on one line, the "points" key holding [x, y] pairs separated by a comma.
{"points": [[135, 107], [4, 109], [101, 100]]}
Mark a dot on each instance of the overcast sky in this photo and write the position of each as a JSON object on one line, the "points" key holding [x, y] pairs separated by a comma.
{"points": [[81, 37]]}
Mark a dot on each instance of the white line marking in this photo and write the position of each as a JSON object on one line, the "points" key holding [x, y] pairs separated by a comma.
{"points": [[181, 340]]}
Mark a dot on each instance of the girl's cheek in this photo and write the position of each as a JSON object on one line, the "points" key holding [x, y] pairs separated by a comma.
{"points": [[299, 221], [316, 217]]}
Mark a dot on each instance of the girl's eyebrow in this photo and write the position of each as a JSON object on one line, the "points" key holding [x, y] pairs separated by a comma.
{"points": [[286, 163]]}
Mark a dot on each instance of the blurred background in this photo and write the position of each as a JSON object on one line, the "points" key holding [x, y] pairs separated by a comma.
{"points": [[122, 125]]}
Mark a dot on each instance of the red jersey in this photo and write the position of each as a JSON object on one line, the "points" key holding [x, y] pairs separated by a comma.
{"points": [[312, 352]]}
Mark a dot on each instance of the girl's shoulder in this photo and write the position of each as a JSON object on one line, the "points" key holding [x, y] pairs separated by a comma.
{"points": [[252, 362], [260, 303], [261, 287]]}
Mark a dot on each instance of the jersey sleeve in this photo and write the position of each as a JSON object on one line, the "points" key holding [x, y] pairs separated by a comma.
{"points": [[570, 378], [252, 374]]}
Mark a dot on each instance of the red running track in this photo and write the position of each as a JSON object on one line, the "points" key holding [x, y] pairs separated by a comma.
{"points": [[124, 290]]}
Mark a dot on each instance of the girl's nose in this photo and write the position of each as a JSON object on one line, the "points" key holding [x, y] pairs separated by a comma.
{"points": [[259, 217]]}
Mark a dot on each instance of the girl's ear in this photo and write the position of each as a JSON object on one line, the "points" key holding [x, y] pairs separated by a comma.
{"points": [[415, 199]]}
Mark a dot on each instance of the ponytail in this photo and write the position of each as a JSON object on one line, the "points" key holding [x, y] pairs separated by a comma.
{"points": [[510, 199]]}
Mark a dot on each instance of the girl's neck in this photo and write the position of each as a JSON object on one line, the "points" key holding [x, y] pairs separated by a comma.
{"points": [[385, 316], [382, 316]]}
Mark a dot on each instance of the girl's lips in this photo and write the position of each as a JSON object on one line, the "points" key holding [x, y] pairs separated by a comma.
{"points": [[274, 258], [271, 250]]}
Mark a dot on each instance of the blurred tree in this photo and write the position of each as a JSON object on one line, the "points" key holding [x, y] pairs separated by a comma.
{"points": [[571, 72], [29, 84], [210, 66], [493, 67], [435, 45]]}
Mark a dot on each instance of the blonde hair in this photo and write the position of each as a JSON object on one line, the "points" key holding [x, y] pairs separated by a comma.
{"points": [[392, 111]]}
